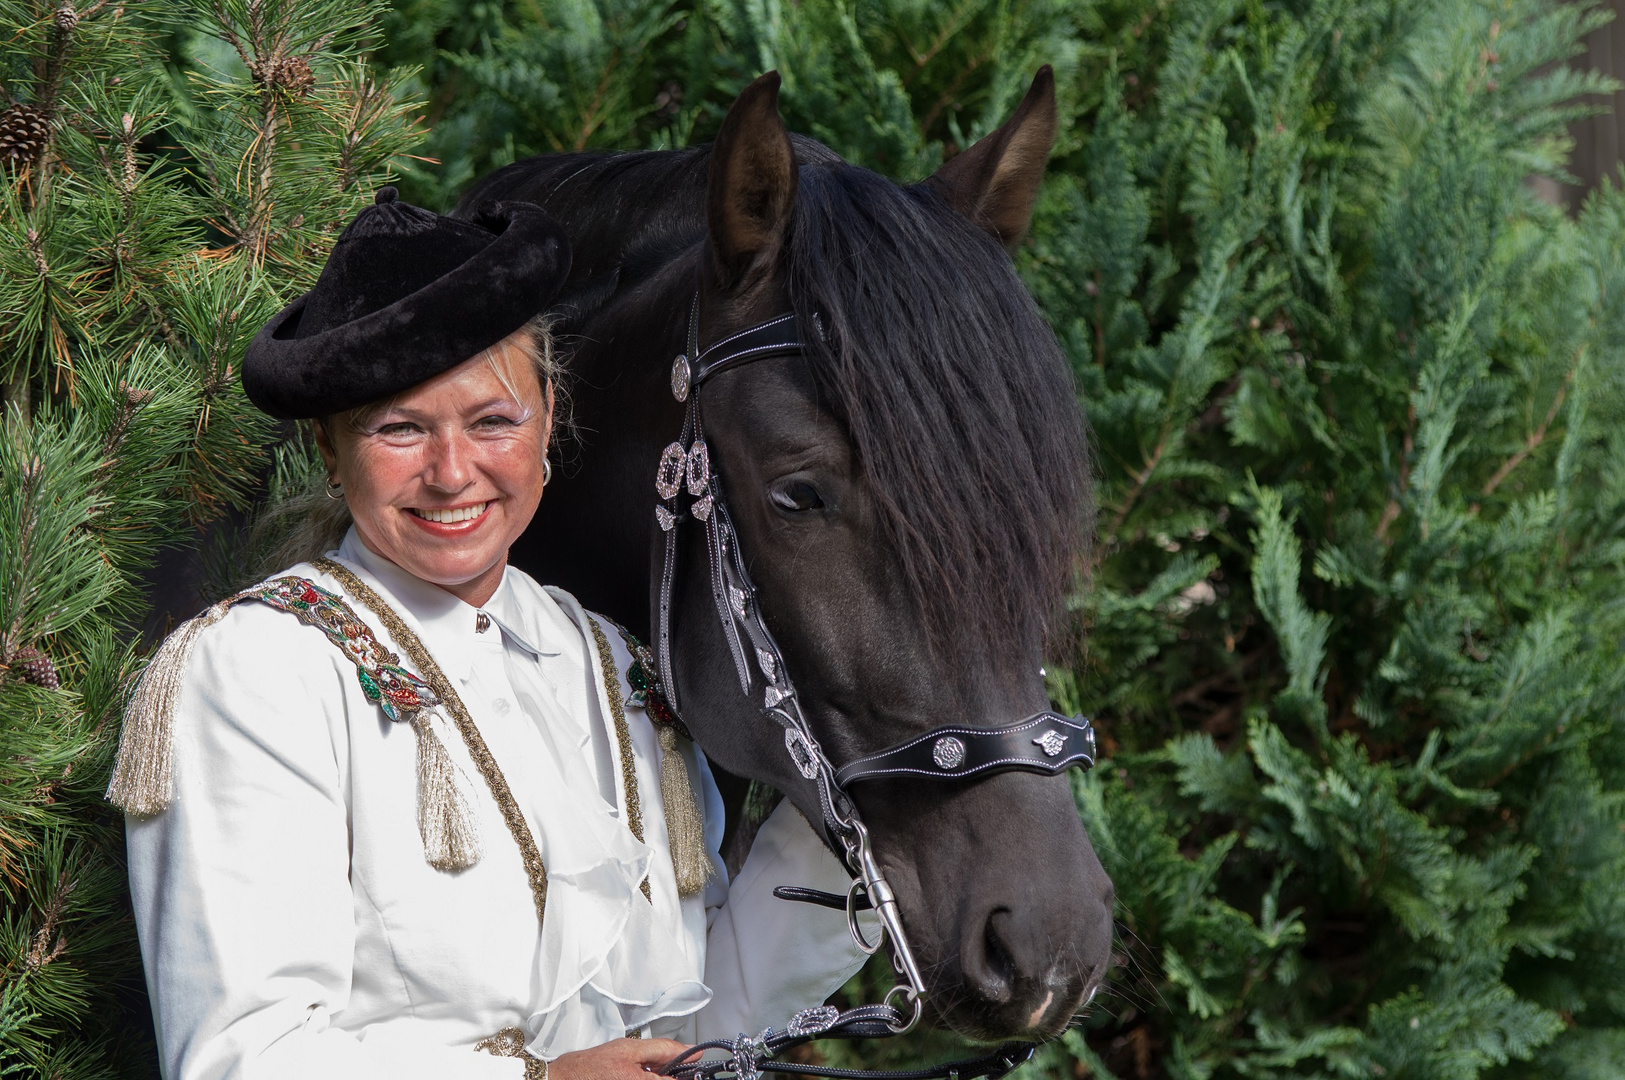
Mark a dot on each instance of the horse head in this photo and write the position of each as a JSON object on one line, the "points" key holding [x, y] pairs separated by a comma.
{"points": [[910, 497], [910, 493]]}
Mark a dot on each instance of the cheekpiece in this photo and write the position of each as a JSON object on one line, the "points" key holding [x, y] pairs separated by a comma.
{"points": [[405, 295]]}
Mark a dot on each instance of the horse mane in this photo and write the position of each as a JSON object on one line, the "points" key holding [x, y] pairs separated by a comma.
{"points": [[958, 400]]}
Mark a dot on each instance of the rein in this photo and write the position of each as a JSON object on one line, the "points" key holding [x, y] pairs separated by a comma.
{"points": [[1046, 742]]}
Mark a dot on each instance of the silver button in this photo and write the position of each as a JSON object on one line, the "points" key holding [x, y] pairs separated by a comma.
{"points": [[482, 623]]}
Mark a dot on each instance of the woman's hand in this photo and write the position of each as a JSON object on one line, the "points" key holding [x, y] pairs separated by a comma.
{"points": [[623, 1059]]}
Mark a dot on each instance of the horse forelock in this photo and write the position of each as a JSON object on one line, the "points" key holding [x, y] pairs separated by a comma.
{"points": [[959, 403]]}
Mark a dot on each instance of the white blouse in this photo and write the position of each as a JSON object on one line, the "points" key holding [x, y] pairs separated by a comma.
{"points": [[291, 927]]}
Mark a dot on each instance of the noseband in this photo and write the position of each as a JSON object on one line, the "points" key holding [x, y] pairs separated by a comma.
{"points": [[1046, 742]]}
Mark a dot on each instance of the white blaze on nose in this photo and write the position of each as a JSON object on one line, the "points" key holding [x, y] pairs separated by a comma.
{"points": [[1038, 1014]]}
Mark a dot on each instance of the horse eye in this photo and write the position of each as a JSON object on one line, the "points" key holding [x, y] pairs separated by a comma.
{"points": [[797, 496]]}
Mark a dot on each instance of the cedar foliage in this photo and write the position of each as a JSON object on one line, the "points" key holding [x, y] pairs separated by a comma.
{"points": [[152, 217], [1353, 635]]}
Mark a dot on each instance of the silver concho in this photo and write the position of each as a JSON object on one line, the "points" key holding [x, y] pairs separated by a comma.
{"points": [[769, 666], [800, 753], [772, 697], [680, 378], [1051, 742], [736, 601], [948, 753], [666, 518], [699, 467], [812, 1021], [669, 476], [701, 509]]}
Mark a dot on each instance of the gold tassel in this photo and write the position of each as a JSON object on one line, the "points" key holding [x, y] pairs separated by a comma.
{"points": [[684, 829], [451, 841], [143, 782]]}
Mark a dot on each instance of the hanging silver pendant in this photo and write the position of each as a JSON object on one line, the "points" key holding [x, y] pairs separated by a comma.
{"points": [[701, 509], [680, 378], [801, 753], [665, 517], [669, 476], [699, 467]]}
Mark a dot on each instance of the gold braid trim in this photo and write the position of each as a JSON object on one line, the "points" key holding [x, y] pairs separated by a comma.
{"points": [[623, 737], [487, 765]]}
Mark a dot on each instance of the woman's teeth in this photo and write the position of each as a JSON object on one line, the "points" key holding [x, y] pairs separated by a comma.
{"points": [[452, 516]]}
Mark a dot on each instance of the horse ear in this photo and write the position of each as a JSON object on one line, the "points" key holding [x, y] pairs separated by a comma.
{"points": [[752, 185], [995, 182]]}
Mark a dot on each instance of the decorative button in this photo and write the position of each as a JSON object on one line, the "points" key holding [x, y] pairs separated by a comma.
{"points": [[948, 753], [501, 706], [1051, 742], [482, 623], [680, 378]]}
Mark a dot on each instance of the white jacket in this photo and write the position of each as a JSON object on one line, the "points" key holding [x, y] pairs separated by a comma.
{"points": [[292, 929]]}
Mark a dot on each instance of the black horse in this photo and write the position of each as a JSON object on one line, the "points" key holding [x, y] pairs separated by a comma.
{"points": [[912, 497]]}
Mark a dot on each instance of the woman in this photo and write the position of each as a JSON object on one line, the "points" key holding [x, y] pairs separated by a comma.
{"points": [[517, 886]]}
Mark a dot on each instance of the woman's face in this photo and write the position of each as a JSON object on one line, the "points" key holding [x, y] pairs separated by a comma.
{"points": [[445, 477]]}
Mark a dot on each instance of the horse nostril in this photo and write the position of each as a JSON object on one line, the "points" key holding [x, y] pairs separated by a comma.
{"points": [[989, 970]]}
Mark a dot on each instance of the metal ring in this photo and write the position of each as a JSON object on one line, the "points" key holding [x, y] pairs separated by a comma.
{"points": [[919, 1007], [852, 919]]}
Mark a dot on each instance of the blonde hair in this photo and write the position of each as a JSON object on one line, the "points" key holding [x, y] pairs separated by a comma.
{"points": [[302, 521]]}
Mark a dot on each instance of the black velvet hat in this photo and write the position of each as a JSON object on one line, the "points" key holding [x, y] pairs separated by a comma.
{"points": [[405, 295]]}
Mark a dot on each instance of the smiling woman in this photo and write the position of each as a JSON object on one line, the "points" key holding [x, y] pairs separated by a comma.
{"points": [[400, 811]]}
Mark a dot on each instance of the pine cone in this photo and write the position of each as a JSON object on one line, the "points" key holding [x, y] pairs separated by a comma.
{"points": [[24, 131], [32, 666], [66, 18], [290, 74], [296, 77]]}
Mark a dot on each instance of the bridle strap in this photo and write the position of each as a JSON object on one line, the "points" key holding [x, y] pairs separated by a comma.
{"points": [[780, 336]]}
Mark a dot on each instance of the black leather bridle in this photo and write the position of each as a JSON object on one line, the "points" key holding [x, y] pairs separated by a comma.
{"points": [[1045, 742]]}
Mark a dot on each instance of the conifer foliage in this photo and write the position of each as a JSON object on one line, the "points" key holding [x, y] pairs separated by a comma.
{"points": [[151, 218]]}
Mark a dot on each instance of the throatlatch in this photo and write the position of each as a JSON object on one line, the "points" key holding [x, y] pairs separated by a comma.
{"points": [[1045, 742]]}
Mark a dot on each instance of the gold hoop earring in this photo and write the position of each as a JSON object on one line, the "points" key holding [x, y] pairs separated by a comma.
{"points": [[547, 471], [335, 490]]}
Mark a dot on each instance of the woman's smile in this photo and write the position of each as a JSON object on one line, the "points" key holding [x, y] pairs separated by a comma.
{"points": [[451, 519]]}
